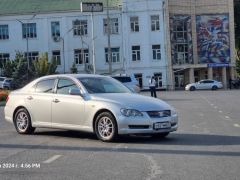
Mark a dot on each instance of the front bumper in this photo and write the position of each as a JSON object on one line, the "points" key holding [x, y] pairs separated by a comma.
{"points": [[144, 124]]}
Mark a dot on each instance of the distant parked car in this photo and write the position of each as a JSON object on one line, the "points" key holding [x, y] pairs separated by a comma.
{"points": [[129, 81], [5, 83], [204, 84]]}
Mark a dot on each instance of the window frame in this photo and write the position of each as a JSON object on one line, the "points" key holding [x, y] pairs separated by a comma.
{"points": [[136, 53], [134, 24], [57, 57], [55, 29], [155, 23], [114, 26], [27, 29], [114, 54], [80, 28], [64, 78], [48, 79], [4, 32], [78, 56], [156, 52]]}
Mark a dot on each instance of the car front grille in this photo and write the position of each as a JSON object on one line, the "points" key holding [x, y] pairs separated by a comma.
{"points": [[159, 114]]}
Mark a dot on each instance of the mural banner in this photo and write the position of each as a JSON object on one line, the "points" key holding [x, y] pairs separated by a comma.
{"points": [[213, 38]]}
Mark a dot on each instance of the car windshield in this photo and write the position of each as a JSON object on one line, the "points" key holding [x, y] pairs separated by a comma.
{"points": [[103, 85]]}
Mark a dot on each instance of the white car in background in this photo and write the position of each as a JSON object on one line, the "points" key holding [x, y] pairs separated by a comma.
{"points": [[129, 81], [204, 85], [5, 83]]}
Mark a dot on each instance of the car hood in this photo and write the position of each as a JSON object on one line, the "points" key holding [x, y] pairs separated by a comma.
{"points": [[133, 101]]}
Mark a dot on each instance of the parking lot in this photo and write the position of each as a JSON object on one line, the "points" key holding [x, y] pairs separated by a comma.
{"points": [[206, 146]]}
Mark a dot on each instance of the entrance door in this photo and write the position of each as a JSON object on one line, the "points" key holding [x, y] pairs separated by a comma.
{"points": [[179, 80]]}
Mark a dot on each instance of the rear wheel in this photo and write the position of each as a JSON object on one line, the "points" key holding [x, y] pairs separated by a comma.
{"points": [[192, 88], [106, 127], [22, 122], [214, 88]]}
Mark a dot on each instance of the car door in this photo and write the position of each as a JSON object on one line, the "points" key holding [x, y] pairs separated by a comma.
{"points": [[67, 110], [39, 102]]}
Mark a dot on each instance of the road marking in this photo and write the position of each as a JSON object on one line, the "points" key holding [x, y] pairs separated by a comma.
{"points": [[220, 111], [51, 159], [227, 117], [211, 104], [236, 125], [154, 168], [215, 107]]}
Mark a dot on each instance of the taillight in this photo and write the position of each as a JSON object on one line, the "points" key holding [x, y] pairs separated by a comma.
{"points": [[7, 99]]}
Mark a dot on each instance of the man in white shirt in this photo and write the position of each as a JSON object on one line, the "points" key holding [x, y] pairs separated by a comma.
{"points": [[152, 86]]}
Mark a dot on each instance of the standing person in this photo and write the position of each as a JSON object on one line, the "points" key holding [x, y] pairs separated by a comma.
{"points": [[230, 83], [152, 86]]}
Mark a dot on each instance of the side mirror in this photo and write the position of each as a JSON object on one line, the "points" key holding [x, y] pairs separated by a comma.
{"points": [[75, 92]]}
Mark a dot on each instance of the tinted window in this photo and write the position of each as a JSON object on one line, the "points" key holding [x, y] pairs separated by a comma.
{"points": [[64, 85], [123, 79], [45, 86], [103, 85]]}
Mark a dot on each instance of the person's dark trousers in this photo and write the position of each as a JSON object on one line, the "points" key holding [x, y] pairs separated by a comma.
{"points": [[153, 92]]}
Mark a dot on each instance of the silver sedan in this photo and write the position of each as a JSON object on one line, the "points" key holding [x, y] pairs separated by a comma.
{"points": [[90, 103]]}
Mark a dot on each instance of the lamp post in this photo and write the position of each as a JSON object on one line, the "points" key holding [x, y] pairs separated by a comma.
{"points": [[109, 40], [92, 7], [22, 23]]}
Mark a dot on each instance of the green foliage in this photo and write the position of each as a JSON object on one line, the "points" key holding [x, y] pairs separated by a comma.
{"points": [[43, 67], [8, 68], [237, 20], [74, 69], [20, 74]]}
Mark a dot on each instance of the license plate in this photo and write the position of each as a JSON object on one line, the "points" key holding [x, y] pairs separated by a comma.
{"points": [[161, 125]]}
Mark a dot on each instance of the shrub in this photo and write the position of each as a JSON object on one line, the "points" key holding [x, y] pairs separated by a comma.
{"points": [[3, 95]]}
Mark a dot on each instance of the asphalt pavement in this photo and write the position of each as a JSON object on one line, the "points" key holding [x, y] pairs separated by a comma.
{"points": [[205, 147]]}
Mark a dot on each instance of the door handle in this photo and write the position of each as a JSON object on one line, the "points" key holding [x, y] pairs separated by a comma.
{"points": [[29, 97], [56, 101]]}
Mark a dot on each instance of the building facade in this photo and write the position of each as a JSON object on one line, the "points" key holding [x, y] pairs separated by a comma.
{"points": [[177, 41], [201, 41], [70, 36]]}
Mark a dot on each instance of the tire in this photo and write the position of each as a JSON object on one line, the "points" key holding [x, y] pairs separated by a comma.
{"points": [[192, 88], [214, 88], [106, 127], [22, 122], [160, 135]]}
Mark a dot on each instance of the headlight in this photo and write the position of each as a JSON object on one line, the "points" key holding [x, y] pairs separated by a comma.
{"points": [[130, 112]]}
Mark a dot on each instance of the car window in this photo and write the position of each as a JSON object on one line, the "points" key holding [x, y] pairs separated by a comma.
{"points": [[103, 85], [123, 79], [45, 86], [2, 79], [64, 85]]}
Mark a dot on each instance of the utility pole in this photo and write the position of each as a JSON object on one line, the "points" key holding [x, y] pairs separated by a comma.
{"points": [[109, 40], [93, 42]]}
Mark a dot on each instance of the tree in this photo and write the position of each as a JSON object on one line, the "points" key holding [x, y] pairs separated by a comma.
{"points": [[237, 20], [43, 67], [8, 68], [74, 69]]}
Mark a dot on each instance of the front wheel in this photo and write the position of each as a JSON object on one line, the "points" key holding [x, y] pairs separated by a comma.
{"points": [[192, 88], [22, 122], [106, 127], [214, 88]]}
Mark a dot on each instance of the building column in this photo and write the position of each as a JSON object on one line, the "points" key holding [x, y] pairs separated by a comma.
{"points": [[191, 75], [210, 73], [224, 79], [232, 73]]}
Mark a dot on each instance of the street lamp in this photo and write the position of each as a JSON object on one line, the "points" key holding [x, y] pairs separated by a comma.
{"points": [[92, 7], [22, 23]]}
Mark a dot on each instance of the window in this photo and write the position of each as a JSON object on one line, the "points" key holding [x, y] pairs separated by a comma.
{"points": [[113, 22], [139, 79], [55, 26], [156, 51], [32, 56], [3, 58], [45, 86], [80, 27], [4, 34], [115, 54], [29, 30], [78, 56], [155, 26], [158, 79], [134, 24], [182, 53], [136, 53], [56, 55], [64, 86]]}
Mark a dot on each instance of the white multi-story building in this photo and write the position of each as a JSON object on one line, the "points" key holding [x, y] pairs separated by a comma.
{"points": [[62, 30]]}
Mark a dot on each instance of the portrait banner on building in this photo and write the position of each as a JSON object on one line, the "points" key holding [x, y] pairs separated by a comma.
{"points": [[213, 38]]}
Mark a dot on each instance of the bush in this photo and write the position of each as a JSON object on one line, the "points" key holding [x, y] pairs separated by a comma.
{"points": [[3, 95]]}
